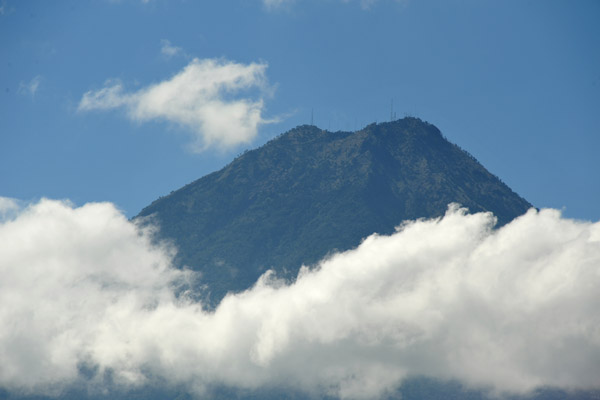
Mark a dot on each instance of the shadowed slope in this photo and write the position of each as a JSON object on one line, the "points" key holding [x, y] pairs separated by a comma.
{"points": [[309, 192]]}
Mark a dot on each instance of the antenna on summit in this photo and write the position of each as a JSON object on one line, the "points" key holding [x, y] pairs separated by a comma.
{"points": [[311, 116], [392, 111]]}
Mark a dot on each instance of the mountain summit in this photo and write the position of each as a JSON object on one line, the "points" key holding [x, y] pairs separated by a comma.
{"points": [[309, 192]]}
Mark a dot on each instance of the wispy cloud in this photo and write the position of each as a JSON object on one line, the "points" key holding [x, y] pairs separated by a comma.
{"points": [[8, 207], [365, 4], [5, 9], [168, 50], [220, 102], [273, 4], [450, 298], [30, 88]]}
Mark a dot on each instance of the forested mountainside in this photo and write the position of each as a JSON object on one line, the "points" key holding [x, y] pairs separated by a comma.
{"points": [[309, 192]]}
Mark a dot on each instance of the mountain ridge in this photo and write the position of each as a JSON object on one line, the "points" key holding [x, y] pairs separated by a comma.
{"points": [[308, 192]]}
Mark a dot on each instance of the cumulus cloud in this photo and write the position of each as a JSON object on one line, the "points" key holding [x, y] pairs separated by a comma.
{"points": [[450, 298], [205, 98], [68, 277]]}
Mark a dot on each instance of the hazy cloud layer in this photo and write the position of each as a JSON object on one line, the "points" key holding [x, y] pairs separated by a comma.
{"points": [[510, 309], [206, 98]]}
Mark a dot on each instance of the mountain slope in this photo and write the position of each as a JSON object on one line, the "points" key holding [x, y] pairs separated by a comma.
{"points": [[310, 191]]}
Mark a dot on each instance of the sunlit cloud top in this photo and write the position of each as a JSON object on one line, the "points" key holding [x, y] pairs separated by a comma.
{"points": [[220, 102], [511, 309]]}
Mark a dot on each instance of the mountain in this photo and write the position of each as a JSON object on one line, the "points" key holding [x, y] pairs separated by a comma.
{"points": [[309, 192]]}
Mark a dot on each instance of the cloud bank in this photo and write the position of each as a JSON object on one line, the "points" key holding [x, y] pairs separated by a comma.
{"points": [[206, 98], [450, 298]]}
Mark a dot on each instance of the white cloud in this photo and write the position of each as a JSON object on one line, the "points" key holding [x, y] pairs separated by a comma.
{"points": [[510, 309], [69, 275], [168, 50], [30, 88], [205, 97]]}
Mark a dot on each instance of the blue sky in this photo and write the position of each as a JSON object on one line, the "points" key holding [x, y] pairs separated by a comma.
{"points": [[109, 100], [126, 100]]}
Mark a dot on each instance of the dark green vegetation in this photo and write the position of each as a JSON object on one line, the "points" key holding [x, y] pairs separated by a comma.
{"points": [[309, 192]]}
